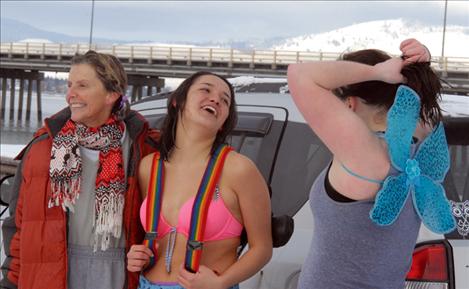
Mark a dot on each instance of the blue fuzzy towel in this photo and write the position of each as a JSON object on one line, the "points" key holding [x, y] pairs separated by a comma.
{"points": [[421, 175]]}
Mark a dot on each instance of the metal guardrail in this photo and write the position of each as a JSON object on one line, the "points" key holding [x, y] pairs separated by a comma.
{"points": [[194, 54], [168, 53], [8, 166]]}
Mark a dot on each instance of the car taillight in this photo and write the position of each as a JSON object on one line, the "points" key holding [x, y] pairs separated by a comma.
{"points": [[432, 266], [429, 263]]}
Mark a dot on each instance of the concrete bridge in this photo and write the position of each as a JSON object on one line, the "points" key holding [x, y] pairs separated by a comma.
{"points": [[145, 65], [180, 61]]}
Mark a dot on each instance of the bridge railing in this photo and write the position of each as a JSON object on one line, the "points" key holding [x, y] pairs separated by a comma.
{"points": [[452, 63], [194, 54]]}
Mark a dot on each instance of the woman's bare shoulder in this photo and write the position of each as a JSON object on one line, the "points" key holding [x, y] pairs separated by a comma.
{"points": [[239, 165], [144, 173], [146, 165], [147, 160]]}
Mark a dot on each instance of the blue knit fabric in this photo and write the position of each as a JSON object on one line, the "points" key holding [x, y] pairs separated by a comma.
{"points": [[402, 121], [421, 176]]}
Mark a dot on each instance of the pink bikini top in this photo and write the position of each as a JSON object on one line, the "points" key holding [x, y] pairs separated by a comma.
{"points": [[221, 224]]}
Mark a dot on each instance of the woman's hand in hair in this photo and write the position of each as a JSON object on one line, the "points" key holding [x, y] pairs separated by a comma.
{"points": [[414, 51], [390, 71]]}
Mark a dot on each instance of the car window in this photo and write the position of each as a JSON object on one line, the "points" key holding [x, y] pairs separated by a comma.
{"points": [[256, 136], [301, 158], [456, 182]]}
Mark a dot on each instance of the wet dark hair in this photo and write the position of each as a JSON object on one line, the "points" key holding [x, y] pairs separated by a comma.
{"points": [[420, 77], [110, 72], [178, 97]]}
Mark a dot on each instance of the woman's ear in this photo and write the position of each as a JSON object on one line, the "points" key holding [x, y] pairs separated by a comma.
{"points": [[112, 97]]}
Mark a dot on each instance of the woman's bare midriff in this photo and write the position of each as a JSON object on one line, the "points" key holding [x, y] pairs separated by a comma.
{"points": [[217, 255]]}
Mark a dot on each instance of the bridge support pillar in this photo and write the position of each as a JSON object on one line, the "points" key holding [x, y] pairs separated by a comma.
{"points": [[21, 76], [138, 82]]}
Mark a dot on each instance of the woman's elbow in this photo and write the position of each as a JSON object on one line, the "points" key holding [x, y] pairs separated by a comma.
{"points": [[293, 73], [294, 80], [268, 255], [266, 252]]}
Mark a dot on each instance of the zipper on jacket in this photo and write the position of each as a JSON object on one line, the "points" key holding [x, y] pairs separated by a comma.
{"points": [[66, 247], [135, 149]]}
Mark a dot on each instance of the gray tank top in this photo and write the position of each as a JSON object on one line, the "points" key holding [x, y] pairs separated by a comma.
{"points": [[349, 251], [88, 269]]}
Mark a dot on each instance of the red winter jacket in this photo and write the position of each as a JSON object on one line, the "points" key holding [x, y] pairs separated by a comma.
{"points": [[35, 236]]}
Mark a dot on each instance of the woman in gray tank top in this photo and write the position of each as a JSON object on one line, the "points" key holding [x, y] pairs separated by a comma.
{"points": [[346, 103]]}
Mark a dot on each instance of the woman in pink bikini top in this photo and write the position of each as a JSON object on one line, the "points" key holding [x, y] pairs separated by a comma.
{"points": [[221, 223], [201, 114]]}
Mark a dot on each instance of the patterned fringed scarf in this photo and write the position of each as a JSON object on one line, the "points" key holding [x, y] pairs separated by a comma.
{"points": [[66, 168]]}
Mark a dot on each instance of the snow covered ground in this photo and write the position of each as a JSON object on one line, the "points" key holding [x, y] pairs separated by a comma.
{"points": [[385, 35], [10, 150], [455, 105]]}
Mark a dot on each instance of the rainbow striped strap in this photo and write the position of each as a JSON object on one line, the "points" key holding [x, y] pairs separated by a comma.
{"points": [[200, 208], [154, 198]]}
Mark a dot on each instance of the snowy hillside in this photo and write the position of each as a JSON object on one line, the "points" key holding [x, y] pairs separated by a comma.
{"points": [[385, 35]]}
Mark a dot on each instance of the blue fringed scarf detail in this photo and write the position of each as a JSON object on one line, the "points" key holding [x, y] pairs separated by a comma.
{"points": [[421, 176]]}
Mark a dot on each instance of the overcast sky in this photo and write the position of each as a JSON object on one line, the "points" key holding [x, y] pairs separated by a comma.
{"points": [[161, 21]]}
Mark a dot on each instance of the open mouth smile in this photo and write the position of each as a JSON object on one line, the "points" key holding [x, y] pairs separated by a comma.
{"points": [[210, 109]]}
